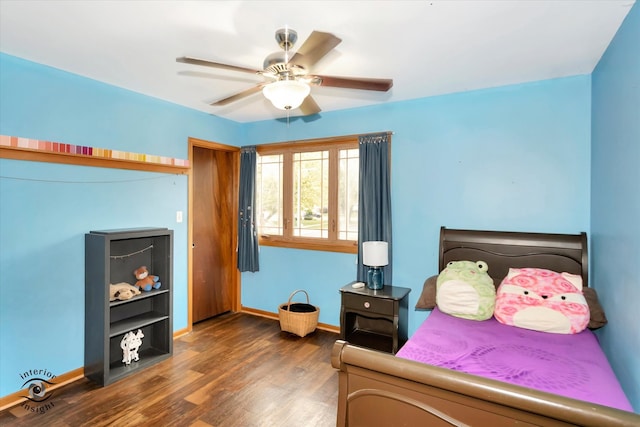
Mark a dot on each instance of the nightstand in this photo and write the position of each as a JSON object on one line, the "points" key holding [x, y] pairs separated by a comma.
{"points": [[376, 319]]}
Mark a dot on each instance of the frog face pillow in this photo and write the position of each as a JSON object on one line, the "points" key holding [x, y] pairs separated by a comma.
{"points": [[464, 289], [542, 300]]}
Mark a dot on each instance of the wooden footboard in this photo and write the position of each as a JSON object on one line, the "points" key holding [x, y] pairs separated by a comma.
{"points": [[379, 389]]}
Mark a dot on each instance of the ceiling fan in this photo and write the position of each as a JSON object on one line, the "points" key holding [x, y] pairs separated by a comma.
{"points": [[288, 77]]}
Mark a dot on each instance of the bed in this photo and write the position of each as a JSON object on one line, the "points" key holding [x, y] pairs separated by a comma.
{"points": [[380, 389]]}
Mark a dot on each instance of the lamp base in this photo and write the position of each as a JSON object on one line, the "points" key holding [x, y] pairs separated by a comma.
{"points": [[375, 278]]}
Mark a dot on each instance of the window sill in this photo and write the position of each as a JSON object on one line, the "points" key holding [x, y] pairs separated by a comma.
{"points": [[277, 241]]}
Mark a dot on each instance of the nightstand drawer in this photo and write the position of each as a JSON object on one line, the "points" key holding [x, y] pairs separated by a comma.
{"points": [[366, 303]]}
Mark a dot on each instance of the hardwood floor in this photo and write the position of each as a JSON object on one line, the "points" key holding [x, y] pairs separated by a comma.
{"points": [[234, 370]]}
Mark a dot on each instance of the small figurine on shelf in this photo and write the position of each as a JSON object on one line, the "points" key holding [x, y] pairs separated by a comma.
{"points": [[124, 345], [136, 342], [130, 344], [146, 281]]}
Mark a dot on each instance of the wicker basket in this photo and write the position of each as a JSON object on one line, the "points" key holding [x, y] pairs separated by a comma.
{"points": [[298, 318]]}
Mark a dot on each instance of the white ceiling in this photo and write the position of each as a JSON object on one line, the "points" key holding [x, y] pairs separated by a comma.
{"points": [[427, 47]]}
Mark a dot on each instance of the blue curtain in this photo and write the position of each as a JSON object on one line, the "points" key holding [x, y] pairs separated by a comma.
{"points": [[247, 233], [374, 207]]}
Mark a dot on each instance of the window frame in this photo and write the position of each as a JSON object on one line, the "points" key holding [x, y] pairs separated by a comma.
{"points": [[330, 243]]}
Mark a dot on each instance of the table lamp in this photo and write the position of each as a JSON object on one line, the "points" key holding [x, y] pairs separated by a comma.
{"points": [[375, 255]]}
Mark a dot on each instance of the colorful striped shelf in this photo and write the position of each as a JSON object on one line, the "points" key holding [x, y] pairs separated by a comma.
{"points": [[41, 146]]}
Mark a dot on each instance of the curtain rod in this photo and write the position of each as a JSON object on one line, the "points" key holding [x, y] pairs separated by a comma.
{"points": [[306, 141]]}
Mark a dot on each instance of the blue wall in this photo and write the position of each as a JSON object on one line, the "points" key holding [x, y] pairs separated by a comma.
{"points": [[45, 209], [615, 209], [511, 158]]}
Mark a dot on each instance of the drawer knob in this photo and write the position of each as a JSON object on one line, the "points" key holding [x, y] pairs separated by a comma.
{"points": [[367, 304]]}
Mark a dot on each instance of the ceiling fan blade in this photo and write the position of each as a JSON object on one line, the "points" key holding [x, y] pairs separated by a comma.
{"points": [[309, 106], [314, 48], [205, 63], [381, 85], [239, 95]]}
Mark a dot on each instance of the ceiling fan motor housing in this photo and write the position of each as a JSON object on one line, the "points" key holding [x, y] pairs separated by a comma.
{"points": [[277, 63]]}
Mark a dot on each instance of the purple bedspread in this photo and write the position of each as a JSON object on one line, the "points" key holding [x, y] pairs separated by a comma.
{"points": [[569, 365]]}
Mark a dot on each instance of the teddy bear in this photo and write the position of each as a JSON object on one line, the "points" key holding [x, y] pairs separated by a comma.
{"points": [[146, 281], [122, 291], [465, 289]]}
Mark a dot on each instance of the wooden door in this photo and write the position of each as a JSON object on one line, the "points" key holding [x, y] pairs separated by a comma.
{"points": [[214, 207]]}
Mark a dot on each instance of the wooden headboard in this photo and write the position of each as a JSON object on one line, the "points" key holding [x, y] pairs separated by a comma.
{"points": [[502, 250]]}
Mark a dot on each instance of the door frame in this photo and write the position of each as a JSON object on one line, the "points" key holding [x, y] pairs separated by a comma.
{"points": [[235, 274]]}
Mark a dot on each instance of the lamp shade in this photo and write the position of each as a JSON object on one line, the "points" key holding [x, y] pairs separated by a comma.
{"points": [[286, 94], [375, 254]]}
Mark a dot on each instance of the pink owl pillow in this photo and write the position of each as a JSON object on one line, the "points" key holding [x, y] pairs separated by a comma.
{"points": [[542, 300]]}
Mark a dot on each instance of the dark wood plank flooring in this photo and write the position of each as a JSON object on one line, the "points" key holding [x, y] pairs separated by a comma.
{"points": [[234, 370]]}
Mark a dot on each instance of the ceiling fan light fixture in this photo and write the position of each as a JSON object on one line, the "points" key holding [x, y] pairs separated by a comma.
{"points": [[286, 94]]}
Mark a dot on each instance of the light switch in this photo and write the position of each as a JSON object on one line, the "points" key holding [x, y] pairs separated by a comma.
{"points": [[179, 216]]}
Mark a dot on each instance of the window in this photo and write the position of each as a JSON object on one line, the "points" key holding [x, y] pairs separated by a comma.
{"points": [[307, 194]]}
